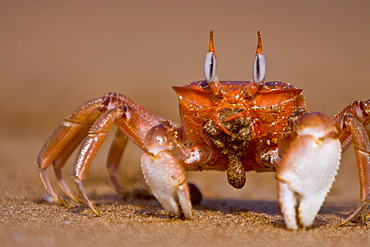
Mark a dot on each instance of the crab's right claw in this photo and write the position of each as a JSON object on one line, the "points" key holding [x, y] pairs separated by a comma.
{"points": [[167, 180], [310, 160]]}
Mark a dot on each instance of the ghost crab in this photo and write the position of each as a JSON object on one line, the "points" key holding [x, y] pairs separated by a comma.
{"points": [[237, 126]]}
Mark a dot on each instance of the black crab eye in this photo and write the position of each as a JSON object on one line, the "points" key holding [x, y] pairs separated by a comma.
{"points": [[210, 66], [259, 68]]}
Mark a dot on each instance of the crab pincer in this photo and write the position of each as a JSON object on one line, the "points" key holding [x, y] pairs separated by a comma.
{"points": [[310, 160]]}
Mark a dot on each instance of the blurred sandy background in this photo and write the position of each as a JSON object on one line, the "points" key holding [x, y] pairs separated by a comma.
{"points": [[55, 55]]}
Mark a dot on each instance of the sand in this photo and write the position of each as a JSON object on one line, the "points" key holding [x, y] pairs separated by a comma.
{"points": [[28, 221]]}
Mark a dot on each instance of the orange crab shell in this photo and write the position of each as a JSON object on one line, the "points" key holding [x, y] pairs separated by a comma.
{"points": [[270, 108]]}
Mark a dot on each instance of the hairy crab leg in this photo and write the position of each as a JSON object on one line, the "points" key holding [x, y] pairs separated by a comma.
{"points": [[310, 160]]}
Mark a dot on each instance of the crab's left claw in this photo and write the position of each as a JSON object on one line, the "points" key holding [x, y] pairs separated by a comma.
{"points": [[310, 160]]}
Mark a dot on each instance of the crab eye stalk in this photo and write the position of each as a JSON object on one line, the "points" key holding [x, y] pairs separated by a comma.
{"points": [[210, 67], [210, 61], [259, 66]]}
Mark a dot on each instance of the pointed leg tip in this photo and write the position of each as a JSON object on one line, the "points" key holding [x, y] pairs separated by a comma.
{"points": [[97, 212], [356, 215], [350, 218], [342, 223], [85, 197], [48, 198], [77, 199], [54, 199]]}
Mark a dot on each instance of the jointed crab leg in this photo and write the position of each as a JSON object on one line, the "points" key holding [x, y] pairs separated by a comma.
{"points": [[94, 139], [161, 163], [62, 158], [71, 132], [162, 169], [63, 141], [359, 109], [89, 148], [114, 157], [351, 122], [362, 151]]}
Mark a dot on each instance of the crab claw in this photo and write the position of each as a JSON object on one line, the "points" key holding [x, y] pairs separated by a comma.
{"points": [[310, 160], [167, 180]]}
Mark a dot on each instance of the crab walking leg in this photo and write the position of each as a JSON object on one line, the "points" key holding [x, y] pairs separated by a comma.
{"points": [[90, 146], [67, 136], [62, 158], [132, 120], [55, 146], [350, 123], [360, 110], [310, 160], [167, 179], [114, 157], [362, 150], [61, 137]]}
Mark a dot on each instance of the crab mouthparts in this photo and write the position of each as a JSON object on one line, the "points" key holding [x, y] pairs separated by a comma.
{"points": [[236, 174], [231, 133]]}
